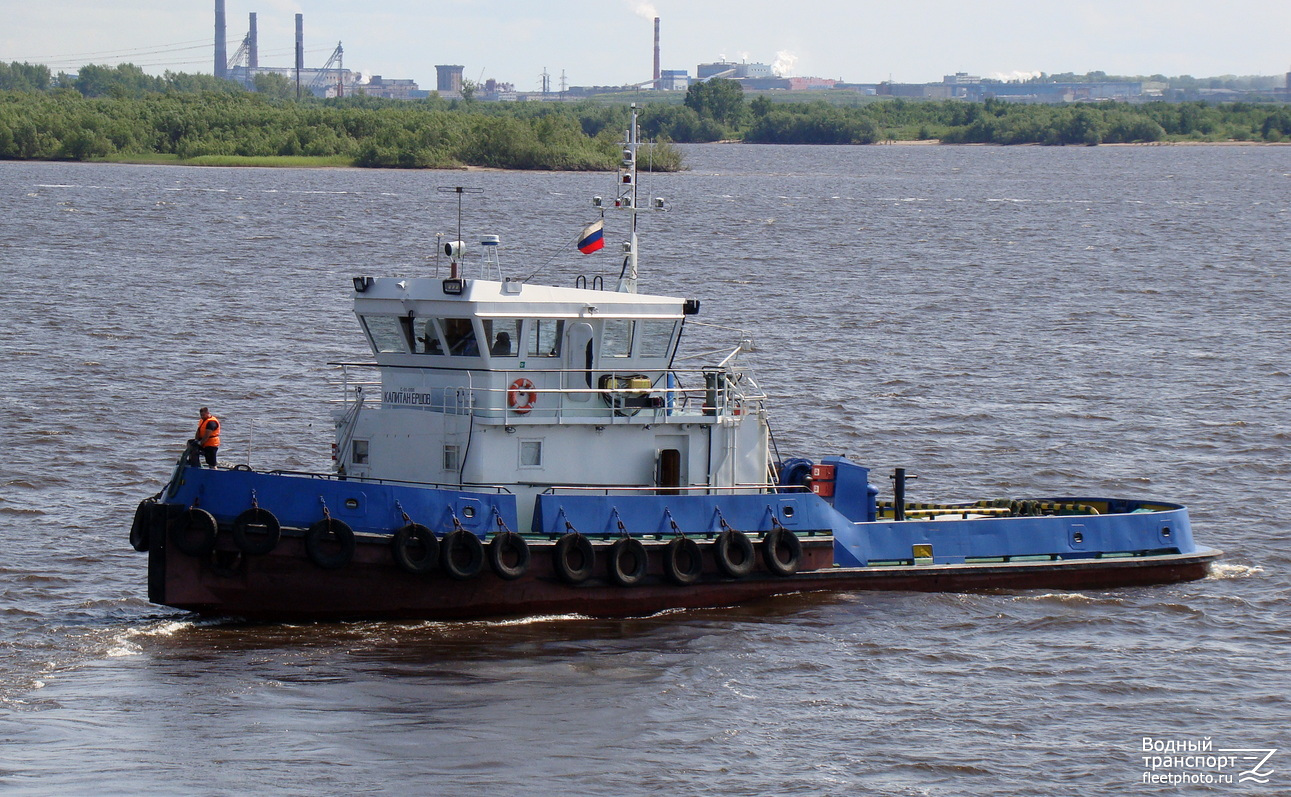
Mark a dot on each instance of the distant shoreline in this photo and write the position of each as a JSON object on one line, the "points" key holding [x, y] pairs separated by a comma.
{"points": [[341, 162]]}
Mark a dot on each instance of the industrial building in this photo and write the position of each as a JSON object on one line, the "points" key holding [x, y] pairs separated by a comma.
{"points": [[330, 80], [448, 79]]}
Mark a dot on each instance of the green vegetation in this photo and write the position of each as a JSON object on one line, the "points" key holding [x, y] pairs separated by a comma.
{"points": [[122, 114], [704, 118]]}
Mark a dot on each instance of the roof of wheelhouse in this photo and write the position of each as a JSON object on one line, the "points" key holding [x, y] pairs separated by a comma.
{"points": [[489, 298]]}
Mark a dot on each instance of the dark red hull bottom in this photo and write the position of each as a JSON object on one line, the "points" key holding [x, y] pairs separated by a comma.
{"points": [[286, 585]]}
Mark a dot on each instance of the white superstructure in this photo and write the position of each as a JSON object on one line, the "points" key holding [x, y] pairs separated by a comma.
{"points": [[504, 384]]}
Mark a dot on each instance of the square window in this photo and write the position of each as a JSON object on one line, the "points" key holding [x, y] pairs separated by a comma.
{"points": [[450, 458], [617, 339], [359, 452], [531, 453]]}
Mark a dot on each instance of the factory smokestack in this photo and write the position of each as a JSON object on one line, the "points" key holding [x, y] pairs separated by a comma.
{"points": [[300, 42], [253, 45], [656, 52], [221, 48]]}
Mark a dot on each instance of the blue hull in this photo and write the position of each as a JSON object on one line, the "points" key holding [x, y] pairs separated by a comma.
{"points": [[1127, 543]]}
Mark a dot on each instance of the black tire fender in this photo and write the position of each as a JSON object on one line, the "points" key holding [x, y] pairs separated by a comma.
{"points": [[628, 561], [734, 553], [782, 552], [574, 558], [404, 547], [461, 554], [193, 532], [256, 531], [139, 529], [333, 534], [683, 562], [509, 555]]}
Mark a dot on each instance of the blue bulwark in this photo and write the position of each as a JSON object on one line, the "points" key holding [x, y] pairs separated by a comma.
{"points": [[1055, 536], [669, 515], [854, 496], [299, 501]]}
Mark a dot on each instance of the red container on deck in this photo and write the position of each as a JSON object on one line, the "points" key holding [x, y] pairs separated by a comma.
{"points": [[822, 472], [822, 480]]}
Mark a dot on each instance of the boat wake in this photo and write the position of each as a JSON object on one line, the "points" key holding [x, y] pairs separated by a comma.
{"points": [[1221, 571]]}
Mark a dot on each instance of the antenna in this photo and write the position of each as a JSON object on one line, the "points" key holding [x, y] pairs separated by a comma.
{"points": [[454, 249]]}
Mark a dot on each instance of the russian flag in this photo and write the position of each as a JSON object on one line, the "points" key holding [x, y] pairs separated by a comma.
{"points": [[592, 237]]}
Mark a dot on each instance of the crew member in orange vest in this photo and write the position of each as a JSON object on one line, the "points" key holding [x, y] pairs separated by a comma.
{"points": [[207, 442]]}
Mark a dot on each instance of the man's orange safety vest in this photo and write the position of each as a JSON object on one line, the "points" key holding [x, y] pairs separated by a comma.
{"points": [[206, 436]]}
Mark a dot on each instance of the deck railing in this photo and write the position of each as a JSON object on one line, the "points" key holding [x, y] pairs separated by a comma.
{"points": [[522, 396]]}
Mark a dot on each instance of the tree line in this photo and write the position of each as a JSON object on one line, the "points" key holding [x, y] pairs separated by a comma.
{"points": [[118, 112], [716, 110]]}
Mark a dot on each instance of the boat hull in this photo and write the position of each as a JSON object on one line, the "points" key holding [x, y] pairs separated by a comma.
{"points": [[286, 585]]}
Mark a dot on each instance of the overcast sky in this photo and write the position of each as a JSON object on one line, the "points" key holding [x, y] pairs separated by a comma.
{"points": [[602, 42]]}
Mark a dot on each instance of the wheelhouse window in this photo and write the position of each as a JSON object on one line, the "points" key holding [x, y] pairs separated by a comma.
{"points": [[544, 337], [386, 333], [616, 338], [459, 335], [654, 338], [503, 335], [426, 338]]}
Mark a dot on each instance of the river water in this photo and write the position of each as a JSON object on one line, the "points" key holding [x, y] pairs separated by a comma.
{"points": [[999, 321]]}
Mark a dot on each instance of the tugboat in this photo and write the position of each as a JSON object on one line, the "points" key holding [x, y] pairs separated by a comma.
{"points": [[519, 449]]}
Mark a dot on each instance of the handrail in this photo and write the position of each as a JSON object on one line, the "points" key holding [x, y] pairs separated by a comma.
{"points": [[737, 389], [654, 488], [497, 488]]}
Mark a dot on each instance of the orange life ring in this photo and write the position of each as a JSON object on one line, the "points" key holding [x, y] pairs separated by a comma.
{"points": [[521, 396]]}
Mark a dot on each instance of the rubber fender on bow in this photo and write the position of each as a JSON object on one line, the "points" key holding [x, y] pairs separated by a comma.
{"points": [[574, 558], [330, 543], [683, 562], [193, 532], [734, 553], [781, 551], [139, 529], [628, 561], [461, 554], [508, 555], [256, 531], [415, 548]]}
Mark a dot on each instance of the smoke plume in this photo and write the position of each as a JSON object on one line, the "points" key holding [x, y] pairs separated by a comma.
{"points": [[643, 9], [784, 63]]}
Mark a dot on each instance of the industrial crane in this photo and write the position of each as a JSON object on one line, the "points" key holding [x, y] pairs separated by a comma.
{"points": [[316, 85]]}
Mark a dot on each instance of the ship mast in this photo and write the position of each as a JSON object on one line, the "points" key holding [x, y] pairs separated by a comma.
{"points": [[627, 200]]}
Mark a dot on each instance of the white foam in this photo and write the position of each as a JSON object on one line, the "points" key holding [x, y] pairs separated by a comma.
{"points": [[1223, 570]]}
